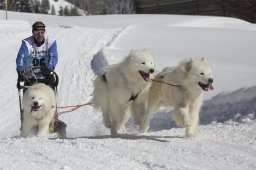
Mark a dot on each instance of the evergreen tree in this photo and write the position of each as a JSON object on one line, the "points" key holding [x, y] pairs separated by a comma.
{"points": [[61, 11], [66, 11], [78, 4], [24, 6], [74, 11], [36, 9], [13, 5], [91, 7], [53, 11], [45, 6]]}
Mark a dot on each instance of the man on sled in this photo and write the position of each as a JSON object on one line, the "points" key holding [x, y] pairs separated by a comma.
{"points": [[35, 63]]}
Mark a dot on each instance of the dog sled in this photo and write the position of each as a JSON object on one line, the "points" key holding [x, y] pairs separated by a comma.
{"points": [[48, 77]]}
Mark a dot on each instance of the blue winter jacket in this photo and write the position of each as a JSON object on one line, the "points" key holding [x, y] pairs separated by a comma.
{"points": [[30, 55]]}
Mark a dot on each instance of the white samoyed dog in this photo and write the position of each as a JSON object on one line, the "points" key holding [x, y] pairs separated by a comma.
{"points": [[39, 106], [121, 86], [180, 87]]}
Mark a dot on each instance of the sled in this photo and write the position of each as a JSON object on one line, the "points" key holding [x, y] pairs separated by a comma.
{"points": [[35, 75]]}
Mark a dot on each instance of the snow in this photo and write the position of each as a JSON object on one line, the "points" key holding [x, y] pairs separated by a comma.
{"points": [[228, 44]]}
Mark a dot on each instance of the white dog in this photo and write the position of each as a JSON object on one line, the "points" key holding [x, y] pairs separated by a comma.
{"points": [[120, 85], [39, 106], [180, 87]]}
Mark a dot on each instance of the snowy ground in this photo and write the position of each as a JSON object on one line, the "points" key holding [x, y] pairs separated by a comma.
{"points": [[228, 44], [220, 146]]}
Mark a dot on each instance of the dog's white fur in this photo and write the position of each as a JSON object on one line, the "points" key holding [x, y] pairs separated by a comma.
{"points": [[186, 98], [121, 86], [45, 97]]}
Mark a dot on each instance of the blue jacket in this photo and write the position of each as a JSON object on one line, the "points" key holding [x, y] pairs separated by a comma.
{"points": [[30, 55]]}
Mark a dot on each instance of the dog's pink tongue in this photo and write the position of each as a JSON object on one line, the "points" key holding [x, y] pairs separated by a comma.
{"points": [[211, 87]]}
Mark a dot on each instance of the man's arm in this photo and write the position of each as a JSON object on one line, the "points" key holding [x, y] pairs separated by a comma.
{"points": [[21, 57], [53, 56]]}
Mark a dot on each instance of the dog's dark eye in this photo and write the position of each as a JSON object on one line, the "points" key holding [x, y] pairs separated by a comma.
{"points": [[202, 73], [143, 63], [33, 97]]}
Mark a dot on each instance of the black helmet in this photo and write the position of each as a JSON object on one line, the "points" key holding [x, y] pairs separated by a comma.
{"points": [[38, 25]]}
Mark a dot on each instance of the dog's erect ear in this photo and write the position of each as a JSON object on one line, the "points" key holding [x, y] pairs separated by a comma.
{"points": [[188, 65], [203, 59], [133, 52], [147, 50]]}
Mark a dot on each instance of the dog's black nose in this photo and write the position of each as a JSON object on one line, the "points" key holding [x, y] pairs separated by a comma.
{"points": [[35, 103], [210, 80], [151, 70]]}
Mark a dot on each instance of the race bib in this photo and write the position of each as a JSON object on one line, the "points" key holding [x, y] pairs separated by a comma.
{"points": [[37, 61]]}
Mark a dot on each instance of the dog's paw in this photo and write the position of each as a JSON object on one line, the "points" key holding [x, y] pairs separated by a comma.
{"points": [[107, 123], [190, 133], [186, 122], [137, 126], [142, 128]]}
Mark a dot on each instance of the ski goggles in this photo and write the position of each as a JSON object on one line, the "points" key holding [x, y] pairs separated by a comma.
{"points": [[39, 32]]}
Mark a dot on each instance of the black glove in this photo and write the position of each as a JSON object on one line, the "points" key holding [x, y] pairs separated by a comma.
{"points": [[20, 76], [46, 71]]}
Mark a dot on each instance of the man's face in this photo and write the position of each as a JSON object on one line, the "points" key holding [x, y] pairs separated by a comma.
{"points": [[39, 35]]}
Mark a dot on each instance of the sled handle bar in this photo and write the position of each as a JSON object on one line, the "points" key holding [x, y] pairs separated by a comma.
{"points": [[34, 70]]}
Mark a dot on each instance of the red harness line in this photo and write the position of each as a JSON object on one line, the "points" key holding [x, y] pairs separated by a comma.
{"points": [[72, 107]]}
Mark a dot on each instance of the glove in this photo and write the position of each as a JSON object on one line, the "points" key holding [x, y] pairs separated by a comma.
{"points": [[27, 73], [46, 71], [20, 75]]}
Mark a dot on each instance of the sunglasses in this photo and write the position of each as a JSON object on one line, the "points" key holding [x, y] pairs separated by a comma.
{"points": [[39, 32]]}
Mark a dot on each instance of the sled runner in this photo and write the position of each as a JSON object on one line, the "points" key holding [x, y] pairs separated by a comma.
{"points": [[41, 75]]}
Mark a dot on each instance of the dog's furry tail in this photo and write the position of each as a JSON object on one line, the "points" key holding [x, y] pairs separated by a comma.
{"points": [[98, 62], [99, 97]]}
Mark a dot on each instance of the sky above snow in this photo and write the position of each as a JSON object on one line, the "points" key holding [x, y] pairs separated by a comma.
{"points": [[228, 44]]}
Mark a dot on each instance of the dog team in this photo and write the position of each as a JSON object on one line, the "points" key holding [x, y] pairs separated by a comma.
{"points": [[132, 88]]}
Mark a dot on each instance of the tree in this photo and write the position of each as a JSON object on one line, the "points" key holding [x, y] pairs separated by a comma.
{"points": [[36, 9], [61, 11], [90, 7], [74, 11], [101, 7], [66, 11], [45, 5], [24, 6], [53, 11]]}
